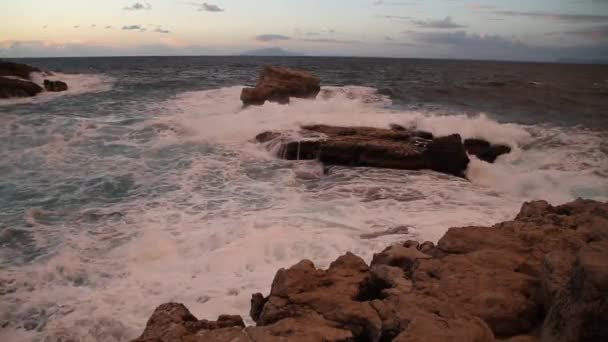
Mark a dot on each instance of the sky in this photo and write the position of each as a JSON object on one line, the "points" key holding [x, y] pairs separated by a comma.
{"points": [[492, 29]]}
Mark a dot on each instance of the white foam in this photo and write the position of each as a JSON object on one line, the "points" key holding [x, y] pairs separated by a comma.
{"points": [[240, 214], [77, 84]]}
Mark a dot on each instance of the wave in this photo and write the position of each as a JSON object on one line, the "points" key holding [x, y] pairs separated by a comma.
{"points": [[77, 84], [223, 214]]}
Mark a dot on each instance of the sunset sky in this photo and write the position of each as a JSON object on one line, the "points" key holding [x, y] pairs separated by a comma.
{"points": [[495, 29]]}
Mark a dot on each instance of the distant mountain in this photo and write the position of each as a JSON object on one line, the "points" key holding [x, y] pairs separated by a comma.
{"points": [[270, 52]]}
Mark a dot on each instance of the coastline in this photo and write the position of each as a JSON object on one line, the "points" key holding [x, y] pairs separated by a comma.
{"points": [[539, 277]]}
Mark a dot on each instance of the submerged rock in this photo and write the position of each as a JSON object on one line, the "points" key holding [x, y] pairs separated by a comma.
{"points": [[277, 84], [55, 86], [478, 284], [12, 87], [371, 147]]}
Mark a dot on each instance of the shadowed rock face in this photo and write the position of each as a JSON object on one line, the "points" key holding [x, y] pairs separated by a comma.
{"points": [[17, 70], [371, 147], [277, 84], [55, 86], [484, 150], [540, 277], [11, 87]]}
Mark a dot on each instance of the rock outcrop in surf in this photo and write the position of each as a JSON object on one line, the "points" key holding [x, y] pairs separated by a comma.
{"points": [[55, 86], [16, 81], [393, 148], [540, 277], [276, 84], [14, 87]]}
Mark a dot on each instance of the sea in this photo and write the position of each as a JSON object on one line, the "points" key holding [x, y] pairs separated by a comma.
{"points": [[142, 184]]}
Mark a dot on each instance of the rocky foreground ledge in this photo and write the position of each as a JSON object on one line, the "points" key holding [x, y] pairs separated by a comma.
{"points": [[540, 277]]}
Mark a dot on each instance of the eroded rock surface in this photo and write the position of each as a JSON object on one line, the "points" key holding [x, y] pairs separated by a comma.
{"points": [[540, 277], [278, 84]]}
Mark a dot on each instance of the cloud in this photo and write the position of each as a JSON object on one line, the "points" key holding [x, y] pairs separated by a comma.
{"points": [[134, 28], [329, 40], [210, 8], [460, 44], [161, 30], [572, 18], [597, 32], [108, 27], [396, 17], [138, 6], [445, 23], [76, 26], [271, 37], [392, 3], [50, 49]]}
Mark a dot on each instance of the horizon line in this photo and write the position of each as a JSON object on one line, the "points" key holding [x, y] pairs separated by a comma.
{"points": [[556, 61]]}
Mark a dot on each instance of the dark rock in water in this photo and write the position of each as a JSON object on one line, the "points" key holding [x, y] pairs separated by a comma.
{"points": [[17, 70], [391, 231], [267, 136], [373, 147], [447, 155], [484, 150], [11, 87], [277, 84], [478, 284], [415, 133], [55, 86]]}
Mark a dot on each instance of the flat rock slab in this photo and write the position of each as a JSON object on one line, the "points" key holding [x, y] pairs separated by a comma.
{"points": [[370, 147], [278, 84]]}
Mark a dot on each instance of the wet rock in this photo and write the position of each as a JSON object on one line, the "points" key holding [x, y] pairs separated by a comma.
{"points": [[370, 147], [17, 70], [277, 84], [484, 150], [391, 231], [12, 87], [55, 86]]}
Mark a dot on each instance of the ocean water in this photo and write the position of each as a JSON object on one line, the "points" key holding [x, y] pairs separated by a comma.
{"points": [[141, 185]]}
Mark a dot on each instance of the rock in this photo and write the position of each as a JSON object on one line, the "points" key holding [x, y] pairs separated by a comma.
{"points": [[580, 311], [447, 155], [17, 70], [55, 86], [391, 231], [540, 277], [277, 84], [10, 87], [484, 150], [174, 322], [370, 147]]}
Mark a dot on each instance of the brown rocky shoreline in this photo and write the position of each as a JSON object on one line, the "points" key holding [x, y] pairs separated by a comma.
{"points": [[540, 277]]}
